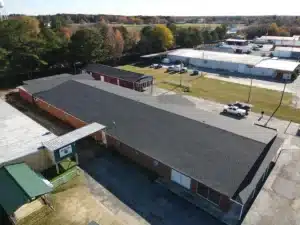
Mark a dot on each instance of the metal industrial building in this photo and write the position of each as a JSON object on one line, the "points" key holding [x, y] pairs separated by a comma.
{"points": [[21, 138], [119, 77], [177, 142], [279, 41], [241, 63], [287, 52]]}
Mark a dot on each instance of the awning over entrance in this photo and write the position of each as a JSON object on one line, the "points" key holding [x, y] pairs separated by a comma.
{"points": [[73, 136], [20, 185]]}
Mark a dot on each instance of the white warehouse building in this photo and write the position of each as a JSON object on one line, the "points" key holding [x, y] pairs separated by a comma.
{"points": [[279, 41], [241, 63], [287, 52]]}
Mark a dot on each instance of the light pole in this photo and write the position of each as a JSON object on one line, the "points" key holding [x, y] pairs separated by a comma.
{"points": [[282, 94], [250, 90], [74, 64]]}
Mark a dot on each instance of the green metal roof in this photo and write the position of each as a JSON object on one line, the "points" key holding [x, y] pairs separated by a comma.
{"points": [[19, 185]]}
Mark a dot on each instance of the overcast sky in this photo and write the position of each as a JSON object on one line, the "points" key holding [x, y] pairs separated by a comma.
{"points": [[155, 7]]}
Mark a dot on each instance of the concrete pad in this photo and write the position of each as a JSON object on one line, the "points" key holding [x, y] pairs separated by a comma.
{"points": [[286, 188], [279, 200]]}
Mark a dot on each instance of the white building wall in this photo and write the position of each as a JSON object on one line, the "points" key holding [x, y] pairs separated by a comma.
{"points": [[282, 54], [262, 72], [226, 66]]}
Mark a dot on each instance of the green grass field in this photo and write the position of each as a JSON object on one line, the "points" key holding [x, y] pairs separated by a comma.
{"points": [[138, 27], [224, 92]]}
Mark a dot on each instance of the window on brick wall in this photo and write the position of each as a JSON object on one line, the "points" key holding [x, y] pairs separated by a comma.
{"points": [[202, 190]]}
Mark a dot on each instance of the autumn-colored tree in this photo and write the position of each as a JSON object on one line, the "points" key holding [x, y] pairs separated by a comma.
{"points": [[163, 36], [32, 24], [119, 45], [67, 32], [273, 29]]}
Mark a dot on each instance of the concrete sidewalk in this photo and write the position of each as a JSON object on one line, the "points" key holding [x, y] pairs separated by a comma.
{"points": [[279, 200]]}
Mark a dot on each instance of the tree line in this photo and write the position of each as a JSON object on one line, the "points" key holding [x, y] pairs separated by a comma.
{"points": [[272, 29], [119, 19], [29, 47]]}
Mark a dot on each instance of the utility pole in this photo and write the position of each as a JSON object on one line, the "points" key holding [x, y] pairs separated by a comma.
{"points": [[282, 94], [250, 90]]}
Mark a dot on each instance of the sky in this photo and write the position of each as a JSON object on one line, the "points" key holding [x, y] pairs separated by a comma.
{"points": [[155, 7]]}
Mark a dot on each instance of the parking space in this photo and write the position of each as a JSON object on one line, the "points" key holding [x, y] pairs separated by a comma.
{"points": [[132, 194]]}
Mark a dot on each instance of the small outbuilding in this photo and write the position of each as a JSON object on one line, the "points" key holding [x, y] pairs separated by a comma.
{"points": [[135, 81], [20, 185]]}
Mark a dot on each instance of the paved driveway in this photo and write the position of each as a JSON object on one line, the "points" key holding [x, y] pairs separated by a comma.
{"points": [[131, 193]]}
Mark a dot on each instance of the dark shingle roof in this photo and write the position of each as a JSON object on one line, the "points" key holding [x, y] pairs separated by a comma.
{"points": [[46, 83], [173, 135], [114, 72]]}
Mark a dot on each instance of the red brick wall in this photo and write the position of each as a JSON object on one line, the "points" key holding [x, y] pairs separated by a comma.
{"points": [[126, 84], [140, 158], [111, 80], [194, 186], [60, 114], [225, 203], [25, 95], [96, 76]]}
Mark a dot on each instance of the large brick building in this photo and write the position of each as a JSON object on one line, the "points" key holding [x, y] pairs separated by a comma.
{"points": [[208, 155]]}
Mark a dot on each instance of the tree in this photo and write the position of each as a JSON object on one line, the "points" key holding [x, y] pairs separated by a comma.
{"points": [[119, 46], [221, 31], [214, 35], [21, 47], [273, 30], [66, 31], [57, 22], [255, 31], [163, 37], [207, 36], [172, 27], [147, 31], [87, 46], [189, 37], [32, 25]]}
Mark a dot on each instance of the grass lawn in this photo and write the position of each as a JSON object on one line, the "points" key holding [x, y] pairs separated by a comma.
{"points": [[74, 205], [224, 92]]}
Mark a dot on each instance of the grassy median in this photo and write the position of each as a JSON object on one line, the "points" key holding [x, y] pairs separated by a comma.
{"points": [[224, 92]]}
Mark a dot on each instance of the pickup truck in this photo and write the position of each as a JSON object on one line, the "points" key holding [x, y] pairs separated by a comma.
{"points": [[234, 110], [177, 68], [242, 105]]}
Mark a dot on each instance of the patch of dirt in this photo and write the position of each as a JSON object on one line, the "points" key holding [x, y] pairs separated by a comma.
{"points": [[74, 205]]}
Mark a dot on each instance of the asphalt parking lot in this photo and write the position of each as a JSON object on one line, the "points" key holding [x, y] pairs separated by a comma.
{"points": [[126, 189], [170, 97]]}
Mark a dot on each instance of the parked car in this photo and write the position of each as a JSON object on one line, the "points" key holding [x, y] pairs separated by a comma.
{"points": [[156, 66], [176, 68], [183, 70], [234, 110], [242, 105], [195, 72]]}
